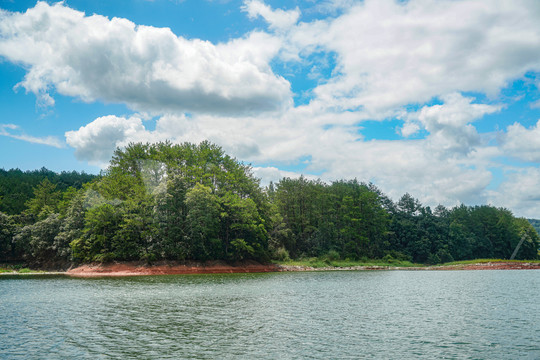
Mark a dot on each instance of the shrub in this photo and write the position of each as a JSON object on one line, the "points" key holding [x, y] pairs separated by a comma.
{"points": [[282, 254], [445, 256], [332, 255], [397, 255], [433, 259]]}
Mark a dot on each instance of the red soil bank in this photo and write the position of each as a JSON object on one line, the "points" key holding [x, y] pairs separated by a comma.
{"points": [[219, 267], [168, 268]]}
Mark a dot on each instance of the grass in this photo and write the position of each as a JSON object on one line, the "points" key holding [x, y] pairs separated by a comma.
{"points": [[18, 270], [323, 263], [484, 261]]}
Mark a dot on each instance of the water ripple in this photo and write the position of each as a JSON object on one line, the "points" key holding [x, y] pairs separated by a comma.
{"points": [[345, 315]]}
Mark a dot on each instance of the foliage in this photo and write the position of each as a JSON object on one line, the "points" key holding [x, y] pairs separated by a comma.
{"points": [[165, 201], [318, 262], [535, 223], [314, 218], [7, 231], [194, 202], [485, 261], [37, 242], [17, 187]]}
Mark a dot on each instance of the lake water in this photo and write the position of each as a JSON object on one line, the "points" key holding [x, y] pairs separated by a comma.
{"points": [[310, 315]]}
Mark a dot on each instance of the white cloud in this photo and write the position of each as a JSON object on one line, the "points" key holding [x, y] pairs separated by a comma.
{"points": [[392, 53], [277, 19], [535, 104], [13, 131], [519, 192], [97, 141], [148, 68], [522, 143], [336, 152], [456, 111], [333, 6], [409, 128], [449, 124], [271, 173], [388, 55]]}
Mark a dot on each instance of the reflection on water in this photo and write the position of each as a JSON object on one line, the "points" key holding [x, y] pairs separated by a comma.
{"points": [[342, 315]]}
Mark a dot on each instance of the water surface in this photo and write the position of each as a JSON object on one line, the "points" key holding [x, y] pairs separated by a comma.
{"points": [[312, 315]]}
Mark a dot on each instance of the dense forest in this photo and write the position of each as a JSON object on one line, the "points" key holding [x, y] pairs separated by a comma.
{"points": [[193, 202], [17, 187]]}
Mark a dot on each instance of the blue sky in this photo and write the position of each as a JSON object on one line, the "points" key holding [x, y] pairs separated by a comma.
{"points": [[436, 98]]}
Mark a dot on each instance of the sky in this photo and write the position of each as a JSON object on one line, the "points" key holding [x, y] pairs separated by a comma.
{"points": [[436, 98]]}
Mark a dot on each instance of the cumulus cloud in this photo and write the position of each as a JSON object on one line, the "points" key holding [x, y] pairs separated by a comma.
{"points": [[277, 19], [388, 56], [97, 141], [522, 143], [520, 192], [271, 173], [333, 153], [15, 132], [148, 68], [449, 124], [392, 53]]}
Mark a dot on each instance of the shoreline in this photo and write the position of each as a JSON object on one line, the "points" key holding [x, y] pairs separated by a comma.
{"points": [[168, 268], [123, 269], [475, 266]]}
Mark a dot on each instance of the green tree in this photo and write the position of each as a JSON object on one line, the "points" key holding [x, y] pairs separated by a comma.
{"points": [[461, 237], [72, 224], [17, 187], [529, 248], [170, 218], [240, 220], [136, 236], [45, 200], [202, 224], [96, 242], [7, 231], [37, 242]]}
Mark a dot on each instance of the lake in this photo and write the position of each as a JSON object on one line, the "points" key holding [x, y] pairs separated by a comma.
{"points": [[308, 315]]}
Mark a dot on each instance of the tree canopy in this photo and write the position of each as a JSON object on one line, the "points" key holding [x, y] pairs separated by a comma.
{"points": [[166, 201]]}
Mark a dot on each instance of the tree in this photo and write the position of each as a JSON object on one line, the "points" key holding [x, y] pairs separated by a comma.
{"points": [[240, 220], [529, 248], [37, 242], [136, 236], [202, 224], [7, 230], [297, 202], [170, 218], [17, 187], [101, 223], [45, 200], [408, 205], [72, 224]]}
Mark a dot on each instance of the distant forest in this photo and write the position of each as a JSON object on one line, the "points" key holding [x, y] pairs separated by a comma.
{"points": [[193, 202], [536, 224], [17, 187]]}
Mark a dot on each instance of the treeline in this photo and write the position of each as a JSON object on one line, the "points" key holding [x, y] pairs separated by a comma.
{"points": [[355, 220], [17, 186], [193, 202], [536, 224]]}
